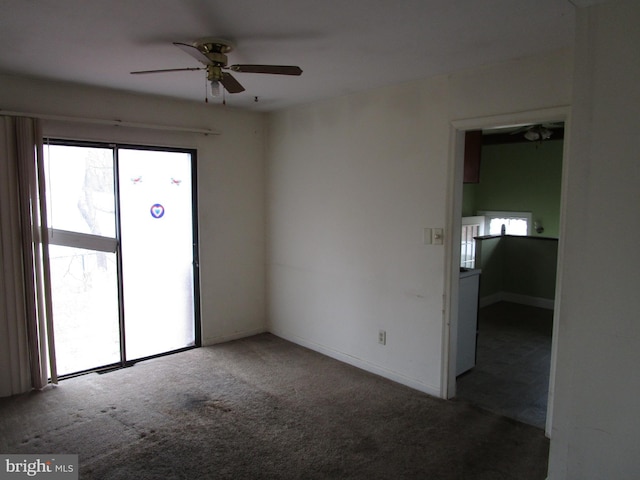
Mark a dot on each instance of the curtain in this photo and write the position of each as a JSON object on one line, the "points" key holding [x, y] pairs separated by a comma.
{"points": [[27, 354]]}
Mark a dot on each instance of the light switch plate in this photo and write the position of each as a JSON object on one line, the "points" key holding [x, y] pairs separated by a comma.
{"points": [[427, 236], [436, 236]]}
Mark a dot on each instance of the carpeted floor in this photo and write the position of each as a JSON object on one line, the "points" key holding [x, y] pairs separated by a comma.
{"points": [[262, 408]]}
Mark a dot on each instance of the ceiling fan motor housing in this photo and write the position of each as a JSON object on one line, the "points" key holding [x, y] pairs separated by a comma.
{"points": [[217, 58], [214, 73]]}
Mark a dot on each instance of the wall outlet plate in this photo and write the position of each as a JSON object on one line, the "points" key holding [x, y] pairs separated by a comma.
{"points": [[382, 337]]}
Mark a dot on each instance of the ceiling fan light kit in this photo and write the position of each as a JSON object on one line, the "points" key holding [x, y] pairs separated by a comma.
{"points": [[215, 88], [211, 52], [538, 133]]}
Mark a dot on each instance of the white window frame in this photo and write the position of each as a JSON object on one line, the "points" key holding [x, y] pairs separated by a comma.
{"points": [[82, 240], [468, 248], [492, 214]]}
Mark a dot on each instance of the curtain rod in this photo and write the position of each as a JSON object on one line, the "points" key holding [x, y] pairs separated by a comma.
{"points": [[113, 123]]}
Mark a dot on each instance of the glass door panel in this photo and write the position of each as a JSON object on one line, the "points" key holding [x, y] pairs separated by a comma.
{"points": [[85, 308], [156, 222], [80, 189], [82, 236]]}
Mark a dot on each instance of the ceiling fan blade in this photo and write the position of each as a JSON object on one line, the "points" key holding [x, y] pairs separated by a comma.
{"points": [[167, 70], [272, 69], [194, 52], [230, 83]]}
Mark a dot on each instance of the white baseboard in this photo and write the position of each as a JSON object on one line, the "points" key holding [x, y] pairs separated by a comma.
{"points": [[491, 299], [362, 364], [547, 303], [235, 336]]}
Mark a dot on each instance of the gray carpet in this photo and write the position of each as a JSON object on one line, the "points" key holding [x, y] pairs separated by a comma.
{"points": [[264, 408]]}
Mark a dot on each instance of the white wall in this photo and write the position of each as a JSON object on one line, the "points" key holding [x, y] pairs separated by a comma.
{"points": [[596, 427], [351, 183], [230, 183]]}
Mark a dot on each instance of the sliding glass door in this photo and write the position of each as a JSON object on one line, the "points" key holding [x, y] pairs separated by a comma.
{"points": [[123, 253], [157, 250]]}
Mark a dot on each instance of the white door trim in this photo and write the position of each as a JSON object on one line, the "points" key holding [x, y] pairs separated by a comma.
{"points": [[452, 241]]}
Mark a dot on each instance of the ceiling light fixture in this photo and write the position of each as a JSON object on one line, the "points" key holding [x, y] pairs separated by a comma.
{"points": [[215, 88], [538, 133]]}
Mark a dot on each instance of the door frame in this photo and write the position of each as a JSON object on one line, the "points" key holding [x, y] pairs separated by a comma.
{"points": [[458, 128]]}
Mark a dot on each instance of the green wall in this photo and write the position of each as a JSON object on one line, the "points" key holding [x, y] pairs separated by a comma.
{"points": [[520, 265], [490, 259], [523, 177]]}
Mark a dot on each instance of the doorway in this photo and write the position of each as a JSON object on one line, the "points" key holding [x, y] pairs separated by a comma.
{"points": [[123, 253], [459, 128]]}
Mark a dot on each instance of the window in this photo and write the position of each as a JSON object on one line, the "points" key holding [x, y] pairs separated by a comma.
{"points": [[515, 223], [471, 227]]}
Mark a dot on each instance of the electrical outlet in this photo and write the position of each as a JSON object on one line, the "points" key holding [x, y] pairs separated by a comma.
{"points": [[382, 337]]}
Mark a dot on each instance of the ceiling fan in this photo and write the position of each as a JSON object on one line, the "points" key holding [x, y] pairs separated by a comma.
{"points": [[211, 52], [538, 133]]}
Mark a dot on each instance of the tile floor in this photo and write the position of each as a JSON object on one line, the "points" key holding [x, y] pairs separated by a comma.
{"points": [[511, 376]]}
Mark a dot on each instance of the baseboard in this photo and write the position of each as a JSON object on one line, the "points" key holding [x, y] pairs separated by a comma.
{"points": [[361, 364], [491, 299], [539, 302], [235, 336]]}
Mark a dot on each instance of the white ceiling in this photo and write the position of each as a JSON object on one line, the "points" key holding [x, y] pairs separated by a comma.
{"points": [[343, 46]]}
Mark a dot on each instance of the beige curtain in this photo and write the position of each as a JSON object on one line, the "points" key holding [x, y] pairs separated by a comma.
{"points": [[27, 354]]}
